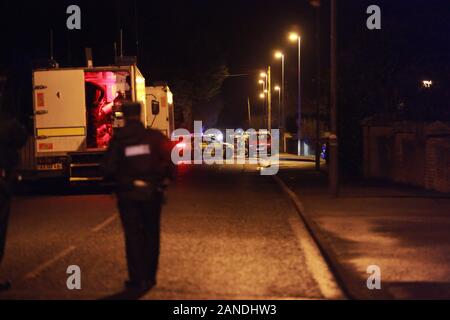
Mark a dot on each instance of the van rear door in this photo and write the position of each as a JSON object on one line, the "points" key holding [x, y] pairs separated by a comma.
{"points": [[60, 112]]}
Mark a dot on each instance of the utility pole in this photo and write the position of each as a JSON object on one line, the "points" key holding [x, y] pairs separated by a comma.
{"points": [[293, 36], [333, 139], [269, 100], [51, 44], [319, 79], [283, 111], [249, 113], [121, 43], [299, 107], [279, 108]]}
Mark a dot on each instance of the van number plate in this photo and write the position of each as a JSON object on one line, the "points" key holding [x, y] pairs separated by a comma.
{"points": [[50, 167]]}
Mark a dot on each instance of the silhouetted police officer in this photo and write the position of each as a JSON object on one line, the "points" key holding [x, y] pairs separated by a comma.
{"points": [[12, 138], [139, 161]]}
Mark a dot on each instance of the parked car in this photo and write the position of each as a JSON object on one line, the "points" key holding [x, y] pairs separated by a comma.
{"points": [[262, 144]]}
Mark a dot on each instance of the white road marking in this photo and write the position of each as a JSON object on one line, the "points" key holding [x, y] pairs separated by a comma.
{"points": [[104, 224], [315, 262], [44, 266], [49, 263]]}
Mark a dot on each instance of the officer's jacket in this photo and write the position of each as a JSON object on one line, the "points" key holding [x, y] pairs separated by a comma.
{"points": [[136, 153]]}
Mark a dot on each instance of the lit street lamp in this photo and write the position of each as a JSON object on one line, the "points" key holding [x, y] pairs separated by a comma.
{"points": [[427, 83], [294, 37], [263, 85], [267, 78], [262, 96], [263, 82]]}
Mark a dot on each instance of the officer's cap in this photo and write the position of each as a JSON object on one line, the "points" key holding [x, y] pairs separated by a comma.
{"points": [[131, 109]]}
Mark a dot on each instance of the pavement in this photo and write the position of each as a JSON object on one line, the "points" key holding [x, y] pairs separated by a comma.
{"points": [[405, 231], [227, 233]]}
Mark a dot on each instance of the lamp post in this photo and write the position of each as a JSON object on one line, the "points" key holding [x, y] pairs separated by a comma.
{"points": [[269, 99], [316, 5], [263, 84], [278, 89], [267, 77], [263, 75], [294, 37], [282, 122], [262, 95], [249, 113], [333, 139]]}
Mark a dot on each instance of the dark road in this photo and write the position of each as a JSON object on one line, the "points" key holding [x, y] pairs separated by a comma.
{"points": [[227, 233]]}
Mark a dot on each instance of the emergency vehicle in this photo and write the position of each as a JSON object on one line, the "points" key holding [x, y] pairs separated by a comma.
{"points": [[77, 110]]}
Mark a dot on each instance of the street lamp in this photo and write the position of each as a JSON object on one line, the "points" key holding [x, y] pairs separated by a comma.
{"points": [[267, 78], [282, 121], [294, 37], [263, 84], [427, 83]]}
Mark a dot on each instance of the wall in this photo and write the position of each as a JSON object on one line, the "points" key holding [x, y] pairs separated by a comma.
{"points": [[408, 152]]}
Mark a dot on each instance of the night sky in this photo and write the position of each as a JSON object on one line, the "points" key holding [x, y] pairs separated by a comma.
{"points": [[176, 37]]}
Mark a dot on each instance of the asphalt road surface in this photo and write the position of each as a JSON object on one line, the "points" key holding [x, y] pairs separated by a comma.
{"points": [[227, 233]]}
